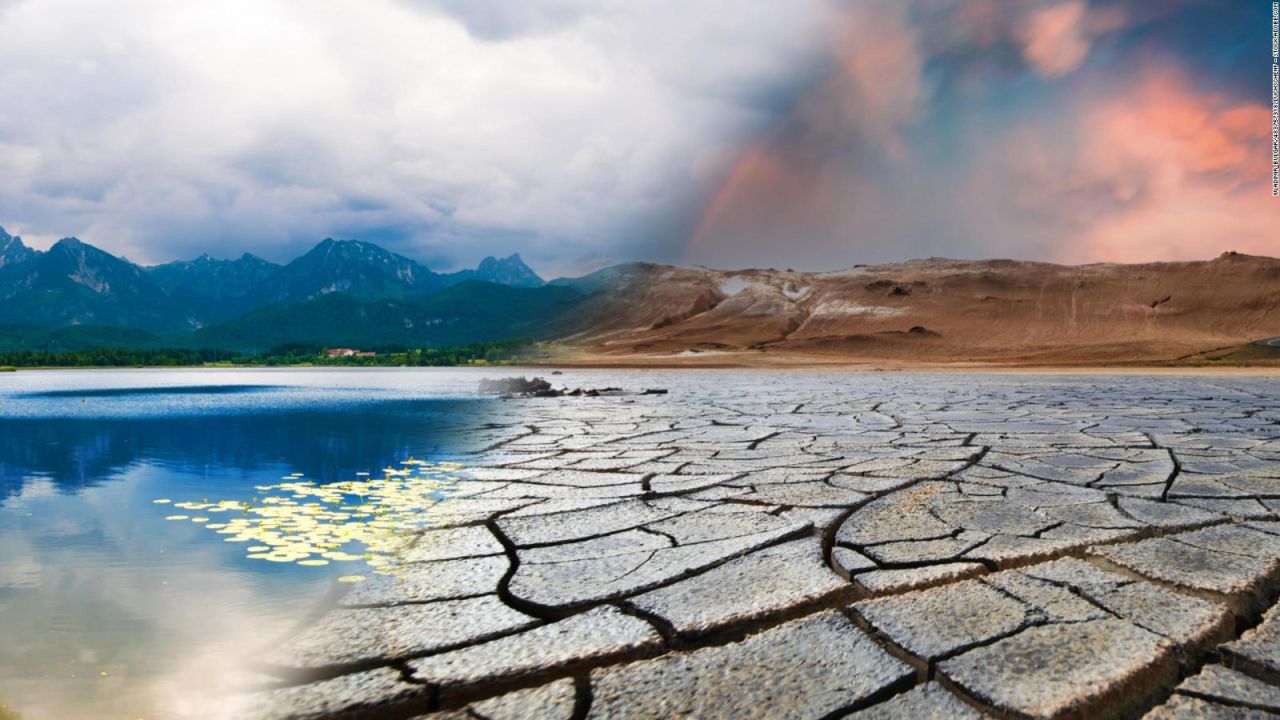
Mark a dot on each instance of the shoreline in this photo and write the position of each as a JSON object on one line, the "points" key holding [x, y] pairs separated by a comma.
{"points": [[837, 366], [951, 369], [753, 361]]}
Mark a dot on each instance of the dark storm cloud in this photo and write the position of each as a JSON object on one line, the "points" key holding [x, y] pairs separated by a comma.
{"points": [[447, 130], [815, 134]]}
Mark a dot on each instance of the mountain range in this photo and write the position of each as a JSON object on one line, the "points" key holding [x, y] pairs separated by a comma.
{"points": [[352, 284], [935, 311]]}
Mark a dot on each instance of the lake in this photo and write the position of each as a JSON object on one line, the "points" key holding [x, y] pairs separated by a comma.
{"points": [[157, 526]]}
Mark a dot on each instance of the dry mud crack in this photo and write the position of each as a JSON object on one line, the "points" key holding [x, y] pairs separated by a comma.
{"points": [[830, 545]]}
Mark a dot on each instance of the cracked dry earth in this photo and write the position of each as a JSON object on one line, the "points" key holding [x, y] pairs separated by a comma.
{"points": [[831, 545]]}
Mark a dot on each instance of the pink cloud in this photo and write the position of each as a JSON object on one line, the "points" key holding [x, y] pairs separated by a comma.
{"points": [[793, 187], [880, 62], [1131, 163], [1203, 163], [1052, 39], [1056, 38], [1156, 171]]}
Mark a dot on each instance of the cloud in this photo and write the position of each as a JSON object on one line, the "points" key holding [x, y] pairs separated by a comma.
{"points": [[813, 134], [1154, 170], [506, 19], [446, 130], [878, 73], [1194, 171], [1056, 38], [988, 131], [806, 180]]}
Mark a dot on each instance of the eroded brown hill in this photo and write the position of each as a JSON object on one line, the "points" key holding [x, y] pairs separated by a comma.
{"points": [[938, 310]]}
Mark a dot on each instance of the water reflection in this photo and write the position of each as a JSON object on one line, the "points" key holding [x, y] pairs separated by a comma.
{"points": [[171, 390], [325, 445], [108, 610]]}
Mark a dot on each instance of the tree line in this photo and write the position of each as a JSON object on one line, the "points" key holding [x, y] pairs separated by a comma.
{"points": [[496, 352], [113, 357]]}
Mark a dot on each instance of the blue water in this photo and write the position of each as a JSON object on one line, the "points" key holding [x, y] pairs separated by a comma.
{"points": [[109, 610]]}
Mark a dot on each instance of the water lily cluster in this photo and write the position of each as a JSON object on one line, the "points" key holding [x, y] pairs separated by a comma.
{"points": [[366, 520]]}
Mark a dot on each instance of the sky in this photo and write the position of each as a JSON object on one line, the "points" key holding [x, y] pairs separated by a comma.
{"points": [[811, 134]]}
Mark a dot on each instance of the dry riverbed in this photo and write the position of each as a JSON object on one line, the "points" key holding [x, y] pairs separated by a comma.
{"points": [[822, 544]]}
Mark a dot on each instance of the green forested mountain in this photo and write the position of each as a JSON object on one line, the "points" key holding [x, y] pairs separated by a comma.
{"points": [[75, 296], [349, 267], [77, 337], [77, 284], [510, 270], [471, 311], [213, 289]]}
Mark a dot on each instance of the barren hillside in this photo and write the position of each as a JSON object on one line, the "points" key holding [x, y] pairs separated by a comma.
{"points": [[935, 310]]}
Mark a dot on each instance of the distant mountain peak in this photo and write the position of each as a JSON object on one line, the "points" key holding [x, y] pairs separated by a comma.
{"points": [[352, 267], [82, 252], [12, 251], [75, 283], [84, 255], [207, 260], [346, 242], [331, 250], [510, 270], [183, 294], [212, 287], [512, 261]]}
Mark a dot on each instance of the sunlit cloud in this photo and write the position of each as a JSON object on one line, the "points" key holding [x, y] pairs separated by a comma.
{"points": [[1057, 130], [1192, 168], [1056, 38]]}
